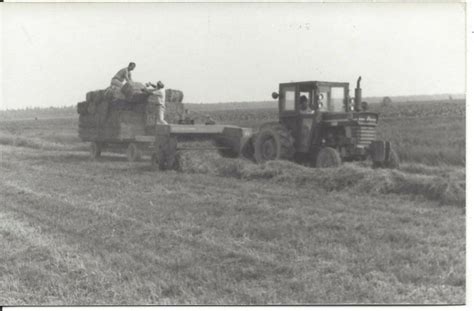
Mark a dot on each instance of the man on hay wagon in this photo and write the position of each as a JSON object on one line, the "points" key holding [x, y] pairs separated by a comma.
{"points": [[123, 75], [156, 100]]}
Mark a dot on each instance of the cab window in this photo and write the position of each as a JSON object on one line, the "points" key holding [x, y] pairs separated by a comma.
{"points": [[336, 100], [323, 101], [304, 103], [288, 99]]}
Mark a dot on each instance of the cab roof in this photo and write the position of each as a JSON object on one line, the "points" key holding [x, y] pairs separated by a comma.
{"points": [[327, 83]]}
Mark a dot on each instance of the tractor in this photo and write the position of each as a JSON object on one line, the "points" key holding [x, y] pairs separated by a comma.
{"points": [[321, 125]]}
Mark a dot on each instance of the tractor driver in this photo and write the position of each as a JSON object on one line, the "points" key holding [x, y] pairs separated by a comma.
{"points": [[304, 105]]}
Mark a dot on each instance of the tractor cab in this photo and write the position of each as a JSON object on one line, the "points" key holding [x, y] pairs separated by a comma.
{"points": [[303, 105], [319, 96]]}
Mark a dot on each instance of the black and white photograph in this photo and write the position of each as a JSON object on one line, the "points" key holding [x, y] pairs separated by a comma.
{"points": [[233, 154]]}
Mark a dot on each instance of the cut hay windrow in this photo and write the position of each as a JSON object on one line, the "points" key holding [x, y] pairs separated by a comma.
{"points": [[446, 189], [34, 143]]}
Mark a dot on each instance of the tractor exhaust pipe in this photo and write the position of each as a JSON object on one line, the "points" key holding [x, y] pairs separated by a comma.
{"points": [[358, 94]]}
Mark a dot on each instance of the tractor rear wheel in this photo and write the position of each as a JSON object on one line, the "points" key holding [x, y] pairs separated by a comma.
{"points": [[328, 157], [95, 150], [133, 152], [273, 142]]}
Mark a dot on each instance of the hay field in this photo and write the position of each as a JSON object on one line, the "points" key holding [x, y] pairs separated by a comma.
{"points": [[220, 231]]}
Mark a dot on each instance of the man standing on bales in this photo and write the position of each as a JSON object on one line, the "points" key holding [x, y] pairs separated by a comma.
{"points": [[122, 75], [157, 98]]}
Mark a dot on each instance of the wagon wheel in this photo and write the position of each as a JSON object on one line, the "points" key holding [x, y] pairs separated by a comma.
{"points": [[95, 150], [134, 152], [328, 157], [155, 164], [166, 157], [273, 142]]}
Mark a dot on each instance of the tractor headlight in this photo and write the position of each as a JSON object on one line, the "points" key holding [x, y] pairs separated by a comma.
{"points": [[351, 104]]}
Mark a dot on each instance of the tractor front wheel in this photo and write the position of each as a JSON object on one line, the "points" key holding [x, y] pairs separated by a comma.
{"points": [[273, 142], [328, 157]]}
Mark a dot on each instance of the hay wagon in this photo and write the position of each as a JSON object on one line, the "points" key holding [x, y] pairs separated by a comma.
{"points": [[111, 121]]}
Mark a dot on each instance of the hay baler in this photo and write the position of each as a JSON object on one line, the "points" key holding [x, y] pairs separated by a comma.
{"points": [[230, 141]]}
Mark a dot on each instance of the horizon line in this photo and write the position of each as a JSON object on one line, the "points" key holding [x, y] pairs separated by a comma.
{"points": [[462, 95]]}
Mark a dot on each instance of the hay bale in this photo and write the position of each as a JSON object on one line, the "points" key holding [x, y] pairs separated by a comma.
{"points": [[140, 107], [95, 96], [174, 112], [99, 96], [173, 96], [131, 88], [138, 98], [123, 125], [113, 93], [90, 96], [82, 108], [102, 110], [91, 107], [88, 127]]}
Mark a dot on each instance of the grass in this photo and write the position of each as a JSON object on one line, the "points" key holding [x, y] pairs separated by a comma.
{"points": [[428, 140], [221, 231], [141, 237]]}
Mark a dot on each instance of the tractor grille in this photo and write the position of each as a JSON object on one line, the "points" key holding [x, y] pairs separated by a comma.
{"points": [[363, 134]]}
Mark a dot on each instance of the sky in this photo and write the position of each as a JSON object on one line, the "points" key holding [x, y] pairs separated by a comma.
{"points": [[53, 53]]}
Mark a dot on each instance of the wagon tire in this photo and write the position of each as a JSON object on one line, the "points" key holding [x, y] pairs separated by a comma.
{"points": [[164, 160], [134, 152], [155, 164], [95, 150]]}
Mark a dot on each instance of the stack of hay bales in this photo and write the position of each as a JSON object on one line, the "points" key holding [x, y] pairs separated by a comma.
{"points": [[116, 114], [123, 124], [174, 105], [174, 96], [112, 114]]}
